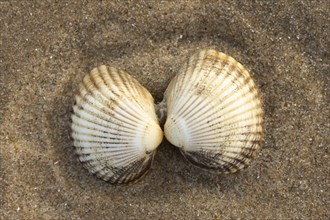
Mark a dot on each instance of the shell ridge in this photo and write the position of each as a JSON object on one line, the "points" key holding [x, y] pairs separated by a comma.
{"points": [[87, 115], [104, 127], [131, 89], [221, 134], [235, 125], [94, 110], [186, 80], [112, 96], [106, 155], [120, 115], [211, 93], [118, 131], [136, 171], [99, 150], [235, 113], [231, 142], [112, 159], [250, 126], [194, 86], [80, 129], [217, 90], [201, 162]]}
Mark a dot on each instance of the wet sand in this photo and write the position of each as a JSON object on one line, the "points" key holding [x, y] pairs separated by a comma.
{"points": [[47, 48]]}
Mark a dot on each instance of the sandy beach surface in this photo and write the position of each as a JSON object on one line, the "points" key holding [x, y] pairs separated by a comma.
{"points": [[46, 47]]}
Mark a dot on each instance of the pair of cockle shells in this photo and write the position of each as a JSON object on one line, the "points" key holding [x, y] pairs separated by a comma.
{"points": [[214, 116]]}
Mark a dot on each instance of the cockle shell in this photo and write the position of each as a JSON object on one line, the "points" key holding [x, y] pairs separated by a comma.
{"points": [[114, 126], [214, 112]]}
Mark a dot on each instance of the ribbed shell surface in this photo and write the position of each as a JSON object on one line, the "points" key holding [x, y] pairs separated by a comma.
{"points": [[114, 126], [214, 112]]}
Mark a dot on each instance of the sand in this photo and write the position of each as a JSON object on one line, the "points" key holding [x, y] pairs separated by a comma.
{"points": [[47, 48]]}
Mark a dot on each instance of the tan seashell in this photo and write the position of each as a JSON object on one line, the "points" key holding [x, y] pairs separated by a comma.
{"points": [[114, 126], [214, 112]]}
